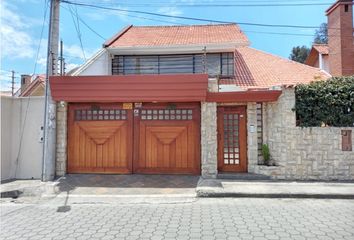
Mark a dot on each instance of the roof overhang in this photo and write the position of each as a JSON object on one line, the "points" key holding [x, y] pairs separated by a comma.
{"points": [[176, 49], [244, 96], [130, 88], [336, 4]]}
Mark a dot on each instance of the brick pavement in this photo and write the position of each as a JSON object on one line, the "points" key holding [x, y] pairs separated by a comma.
{"points": [[136, 184], [224, 218]]}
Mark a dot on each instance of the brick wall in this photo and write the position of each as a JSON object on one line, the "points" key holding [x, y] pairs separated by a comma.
{"points": [[303, 153], [340, 41]]}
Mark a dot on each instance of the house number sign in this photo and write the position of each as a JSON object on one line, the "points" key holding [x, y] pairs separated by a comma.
{"points": [[127, 106]]}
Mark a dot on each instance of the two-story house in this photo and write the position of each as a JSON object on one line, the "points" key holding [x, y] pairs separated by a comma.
{"points": [[170, 100]]}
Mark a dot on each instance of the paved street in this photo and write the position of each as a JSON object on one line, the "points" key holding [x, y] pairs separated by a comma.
{"points": [[189, 218]]}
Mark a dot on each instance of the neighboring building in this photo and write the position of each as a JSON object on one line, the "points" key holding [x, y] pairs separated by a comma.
{"points": [[31, 86], [318, 57], [6, 93], [336, 57], [184, 100]]}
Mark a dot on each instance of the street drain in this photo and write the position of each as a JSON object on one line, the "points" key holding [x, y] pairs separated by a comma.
{"points": [[64, 209], [11, 194]]}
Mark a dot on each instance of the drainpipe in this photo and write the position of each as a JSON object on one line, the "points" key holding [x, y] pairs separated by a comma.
{"points": [[320, 61]]}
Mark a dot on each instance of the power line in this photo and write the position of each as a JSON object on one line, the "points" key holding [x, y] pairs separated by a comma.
{"points": [[190, 18], [128, 15], [82, 21], [22, 130], [261, 4], [249, 31], [77, 28], [79, 32], [41, 37]]}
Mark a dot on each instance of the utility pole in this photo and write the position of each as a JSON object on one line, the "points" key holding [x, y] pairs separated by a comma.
{"points": [[49, 143], [12, 83], [61, 58]]}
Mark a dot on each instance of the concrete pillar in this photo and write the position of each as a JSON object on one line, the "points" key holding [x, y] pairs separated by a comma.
{"points": [[209, 140], [61, 144], [252, 139]]}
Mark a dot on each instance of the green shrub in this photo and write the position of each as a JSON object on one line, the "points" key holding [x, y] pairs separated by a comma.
{"points": [[326, 103], [266, 154]]}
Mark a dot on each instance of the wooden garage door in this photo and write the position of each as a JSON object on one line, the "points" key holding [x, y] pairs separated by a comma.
{"points": [[153, 138], [167, 138], [99, 139]]}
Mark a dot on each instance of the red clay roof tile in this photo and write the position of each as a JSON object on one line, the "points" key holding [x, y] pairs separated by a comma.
{"points": [[321, 48], [257, 69], [179, 35]]}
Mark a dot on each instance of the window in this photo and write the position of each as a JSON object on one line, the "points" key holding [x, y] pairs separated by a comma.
{"points": [[217, 64]]}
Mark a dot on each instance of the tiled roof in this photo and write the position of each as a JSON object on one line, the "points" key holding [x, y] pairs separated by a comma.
{"points": [[312, 58], [39, 80], [321, 48], [134, 36], [257, 69]]}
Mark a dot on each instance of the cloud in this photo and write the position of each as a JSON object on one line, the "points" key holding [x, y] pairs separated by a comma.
{"points": [[96, 16], [75, 52], [15, 41], [72, 54], [5, 81], [174, 11]]}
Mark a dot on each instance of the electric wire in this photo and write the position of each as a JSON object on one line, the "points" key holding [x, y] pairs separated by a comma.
{"points": [[22, 130], [189, 18], [222, 4], [77, 28]]}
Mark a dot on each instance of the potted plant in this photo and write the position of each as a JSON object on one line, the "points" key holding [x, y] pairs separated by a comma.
{"points": [[266, 155]]}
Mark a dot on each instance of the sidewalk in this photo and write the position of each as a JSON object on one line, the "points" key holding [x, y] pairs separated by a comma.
{"points": [[104, 186], [274, 189], [171, 186]]}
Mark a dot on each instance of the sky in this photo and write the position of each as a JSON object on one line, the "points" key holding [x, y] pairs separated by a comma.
{"points": [[24, 26]]}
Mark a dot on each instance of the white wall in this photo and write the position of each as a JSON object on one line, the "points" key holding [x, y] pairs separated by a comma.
{"points": [[100, 65], [21, 159]]}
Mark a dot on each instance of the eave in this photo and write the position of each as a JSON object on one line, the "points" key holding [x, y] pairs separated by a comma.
{"points": [[130, 88], [244, 96], [176, 49]]}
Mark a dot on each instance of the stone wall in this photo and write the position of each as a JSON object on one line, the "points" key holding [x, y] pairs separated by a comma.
{"points": [[61, 154], [303, 153], [252, 147], [209, 157]]}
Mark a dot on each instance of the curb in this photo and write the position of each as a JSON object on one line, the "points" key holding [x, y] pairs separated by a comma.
{"points": [[219, 193], [276, 195]]}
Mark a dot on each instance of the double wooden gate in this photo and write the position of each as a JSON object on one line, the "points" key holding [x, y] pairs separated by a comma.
{"points": [[151, 138]]}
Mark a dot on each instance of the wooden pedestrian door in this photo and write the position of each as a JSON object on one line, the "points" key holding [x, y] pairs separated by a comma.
{"points": [[232, 139], [153, 138]]}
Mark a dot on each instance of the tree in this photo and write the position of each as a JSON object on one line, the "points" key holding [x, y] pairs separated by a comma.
{"points": [[321, 35], [299, 54]]}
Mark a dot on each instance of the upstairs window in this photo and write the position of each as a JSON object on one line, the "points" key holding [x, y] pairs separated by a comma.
{"points": [[216, 64]]}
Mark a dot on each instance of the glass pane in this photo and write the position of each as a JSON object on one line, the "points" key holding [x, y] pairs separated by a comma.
{"points": [[227, 64], [176, 64], [213, 64]]}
